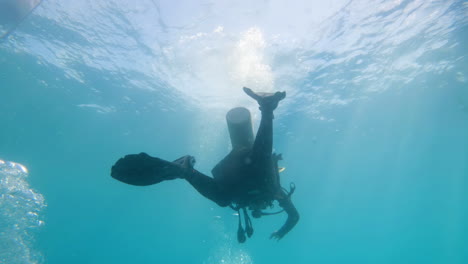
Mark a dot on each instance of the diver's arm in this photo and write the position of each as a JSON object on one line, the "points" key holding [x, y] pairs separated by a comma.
{"points": [[293, 217]]}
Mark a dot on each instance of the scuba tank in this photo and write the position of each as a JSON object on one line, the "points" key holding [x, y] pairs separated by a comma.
{"points": [[239, 123]]}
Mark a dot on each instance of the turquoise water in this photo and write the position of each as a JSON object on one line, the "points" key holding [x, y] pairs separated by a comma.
{"points": [[374, 129]]}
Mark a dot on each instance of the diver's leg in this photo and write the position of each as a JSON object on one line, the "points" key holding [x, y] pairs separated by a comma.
{"points": [[207, 187], [263, 145]]}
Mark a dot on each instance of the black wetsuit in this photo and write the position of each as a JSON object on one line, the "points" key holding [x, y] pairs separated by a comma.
{"points": [[249, 177]]}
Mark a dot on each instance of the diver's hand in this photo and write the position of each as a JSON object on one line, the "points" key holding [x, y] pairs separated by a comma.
{"points": [[276, 235]]}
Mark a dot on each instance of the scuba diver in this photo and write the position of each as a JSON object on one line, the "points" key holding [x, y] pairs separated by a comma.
{"points": [[247, 178]]}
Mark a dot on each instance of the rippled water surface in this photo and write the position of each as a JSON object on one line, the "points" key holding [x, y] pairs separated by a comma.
{"points": [[373, 130]]}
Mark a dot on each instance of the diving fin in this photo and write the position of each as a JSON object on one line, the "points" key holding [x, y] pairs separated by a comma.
{"points": [[143, 170], [267, 101]]}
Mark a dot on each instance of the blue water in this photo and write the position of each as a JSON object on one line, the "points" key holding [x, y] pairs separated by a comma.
{"points": [[374, 129]]}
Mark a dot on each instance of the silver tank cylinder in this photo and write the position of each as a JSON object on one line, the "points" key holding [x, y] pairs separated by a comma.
{"points": [[239, 123]]}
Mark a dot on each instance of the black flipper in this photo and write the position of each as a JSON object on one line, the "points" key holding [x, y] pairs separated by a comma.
{"points": [[267, 101], [142, 169]]}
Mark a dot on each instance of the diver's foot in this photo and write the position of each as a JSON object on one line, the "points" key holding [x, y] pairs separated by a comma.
{"points": [[267, 101], [186, 163]]}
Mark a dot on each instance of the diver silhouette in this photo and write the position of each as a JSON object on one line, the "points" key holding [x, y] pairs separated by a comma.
{"points": [[247, 178]]}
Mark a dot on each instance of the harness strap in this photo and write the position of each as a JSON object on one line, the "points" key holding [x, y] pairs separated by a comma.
{"points": [[248, 223], [240, 231], [292, 189]]}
